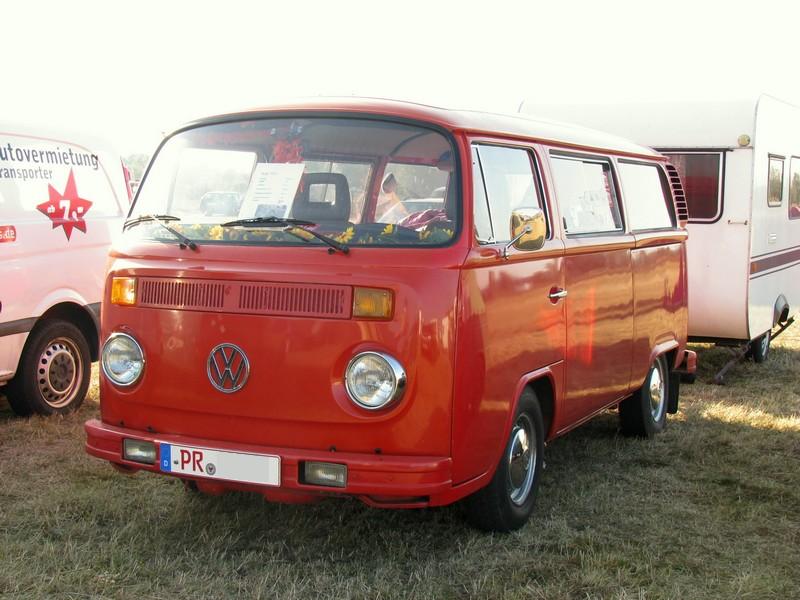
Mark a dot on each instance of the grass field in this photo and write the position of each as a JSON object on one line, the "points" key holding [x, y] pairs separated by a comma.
{"points": [[710, 509]]}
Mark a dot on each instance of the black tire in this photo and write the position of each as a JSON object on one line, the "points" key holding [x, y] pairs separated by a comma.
{"points": [[644, 414], [54, 370], [507, 502], [759, 347]]}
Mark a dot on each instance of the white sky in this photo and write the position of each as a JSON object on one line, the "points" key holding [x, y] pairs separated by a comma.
{"points": [[134, 74]]}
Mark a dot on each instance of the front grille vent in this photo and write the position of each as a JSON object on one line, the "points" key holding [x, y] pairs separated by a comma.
{"points": [[296, 300], [181, 294], [260, 298]]}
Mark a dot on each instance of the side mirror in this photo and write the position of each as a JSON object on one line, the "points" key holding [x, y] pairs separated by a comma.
{"points": [[528, 229]]}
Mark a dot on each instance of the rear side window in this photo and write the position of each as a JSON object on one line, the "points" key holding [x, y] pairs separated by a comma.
{"points": [[701, 174], [646, 201], [775, 181], [510, 183], [794, 188], [586, 195]]}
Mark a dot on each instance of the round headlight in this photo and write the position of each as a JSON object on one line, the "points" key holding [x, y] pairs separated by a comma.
{"points": [[373, 380], [122, 359]]}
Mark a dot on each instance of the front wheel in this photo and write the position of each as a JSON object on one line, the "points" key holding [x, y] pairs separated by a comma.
{"points": [[644, 414], [507, 502], [54, 370]]}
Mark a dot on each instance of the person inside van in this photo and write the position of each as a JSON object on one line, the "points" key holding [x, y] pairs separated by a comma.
{"points": [[390, 208]]}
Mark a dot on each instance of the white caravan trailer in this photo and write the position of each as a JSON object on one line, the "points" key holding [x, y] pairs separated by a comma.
{"points": [[62, 198], [740, 166]]}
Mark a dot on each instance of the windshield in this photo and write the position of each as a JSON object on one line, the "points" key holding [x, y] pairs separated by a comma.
{"points": [[361, 182]]}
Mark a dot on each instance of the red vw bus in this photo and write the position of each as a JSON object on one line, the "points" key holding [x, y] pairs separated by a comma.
{"points": [[402, 304]]}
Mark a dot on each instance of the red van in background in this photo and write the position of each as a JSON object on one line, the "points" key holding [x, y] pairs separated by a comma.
{"points": [[404, 304]]}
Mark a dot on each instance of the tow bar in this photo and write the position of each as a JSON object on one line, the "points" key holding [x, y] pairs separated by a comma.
{"points": [[740, 352]]}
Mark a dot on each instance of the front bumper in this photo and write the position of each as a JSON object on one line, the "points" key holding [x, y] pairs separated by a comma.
{"points": [[377, 479]]}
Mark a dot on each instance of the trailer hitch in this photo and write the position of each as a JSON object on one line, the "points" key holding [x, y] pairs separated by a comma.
{"points": [[739, 352]]}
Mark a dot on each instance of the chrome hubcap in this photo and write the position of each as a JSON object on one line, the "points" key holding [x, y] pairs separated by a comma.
{"points": [[59, 372], [521, 460], [657, 395]]}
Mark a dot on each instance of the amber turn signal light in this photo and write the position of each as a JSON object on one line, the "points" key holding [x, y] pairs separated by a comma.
{"points": [[372, 303], [123, 291]]}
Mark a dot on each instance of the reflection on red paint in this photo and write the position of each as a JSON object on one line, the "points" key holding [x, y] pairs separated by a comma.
{"points": [[589, 346]]}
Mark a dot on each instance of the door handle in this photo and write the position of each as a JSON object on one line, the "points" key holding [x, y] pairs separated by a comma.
{"points": [[557, 293]]}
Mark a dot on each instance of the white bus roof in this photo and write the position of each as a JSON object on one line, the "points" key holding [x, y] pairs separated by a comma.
{"points": [[668, 124], [57, 133]]}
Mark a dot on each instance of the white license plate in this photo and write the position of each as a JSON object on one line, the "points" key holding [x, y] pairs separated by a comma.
{"points": [[220, 464]]}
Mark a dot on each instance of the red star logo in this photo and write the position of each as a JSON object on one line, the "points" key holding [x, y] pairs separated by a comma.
{"points": [[68, 209]]}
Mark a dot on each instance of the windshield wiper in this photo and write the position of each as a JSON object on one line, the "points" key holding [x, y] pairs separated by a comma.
{"points": [[290, 224], [184, 242]]}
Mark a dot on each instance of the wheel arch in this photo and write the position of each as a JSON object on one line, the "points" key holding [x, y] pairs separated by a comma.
{"points": [[543, 383], [668, 348], [780, 311], [83, 317]]}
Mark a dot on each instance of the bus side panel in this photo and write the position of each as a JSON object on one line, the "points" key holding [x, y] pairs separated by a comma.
{"points": [[718, 256], [660, 303], [507, 327], [775, 256]]}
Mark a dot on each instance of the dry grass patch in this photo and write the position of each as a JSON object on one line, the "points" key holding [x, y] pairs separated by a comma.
{"points": [[707, 510]]}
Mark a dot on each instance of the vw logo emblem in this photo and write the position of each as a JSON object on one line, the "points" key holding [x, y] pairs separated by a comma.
{"points": [[228, 368]]}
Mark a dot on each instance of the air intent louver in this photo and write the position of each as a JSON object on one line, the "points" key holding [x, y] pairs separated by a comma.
{"points": [[681, 207], [260, 298]]}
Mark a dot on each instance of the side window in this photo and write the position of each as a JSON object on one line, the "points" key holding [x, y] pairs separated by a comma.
{"points": [[586, 195], [647, 203], [701, 174], [483, 224], [775, 181], [794, 188], [510, 183]]}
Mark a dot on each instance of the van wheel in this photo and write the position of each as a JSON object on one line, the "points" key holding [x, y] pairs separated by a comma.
{"points": [[54, 371], [507, 502], [759, 348], [644, 414]]}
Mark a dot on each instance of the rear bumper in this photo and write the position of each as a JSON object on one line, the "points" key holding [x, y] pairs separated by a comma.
{"points": [[377, 479]]}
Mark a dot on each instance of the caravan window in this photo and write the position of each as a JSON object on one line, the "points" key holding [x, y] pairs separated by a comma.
{"points": [[775, 181], [794, 188], [701, 174]]}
